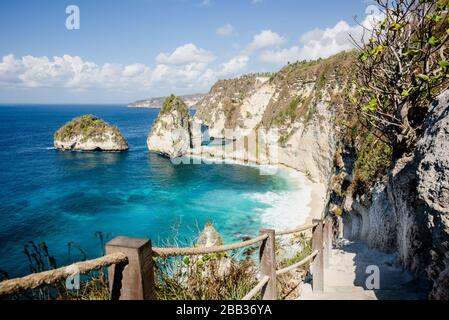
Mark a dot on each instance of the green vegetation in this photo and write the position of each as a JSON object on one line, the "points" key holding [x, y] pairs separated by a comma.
{"points": [[174, 103], [322, 74], [210, 277], [402, 68], [88, 127], [304, 245], [373, 160]]}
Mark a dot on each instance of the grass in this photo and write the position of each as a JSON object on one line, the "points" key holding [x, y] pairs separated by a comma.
{"points": [[93, 286], [288, 283], [211, 277]]}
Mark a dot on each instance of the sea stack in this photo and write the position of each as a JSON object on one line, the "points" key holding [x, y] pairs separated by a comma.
{"points": [[171, 134], [89, 133]]}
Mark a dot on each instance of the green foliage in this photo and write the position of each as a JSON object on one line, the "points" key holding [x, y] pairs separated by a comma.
{"points": [[373, 159], [89, 127], [402, 68], [306, 244], [339, 212], [174, 103], [208, 277]]}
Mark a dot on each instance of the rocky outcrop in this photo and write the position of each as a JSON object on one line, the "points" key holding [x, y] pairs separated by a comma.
{"points": [[409, 211], [209, 237], [89, 133], [221, 263], [295, 106], [171, 134]]}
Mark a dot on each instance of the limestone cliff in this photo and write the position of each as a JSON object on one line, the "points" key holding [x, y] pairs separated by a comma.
{"points": [[89, 133], [298, 103], [408, 212], [171, 134]]}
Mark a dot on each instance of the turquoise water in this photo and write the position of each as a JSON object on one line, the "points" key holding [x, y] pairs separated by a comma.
{"points": [[61, 197]]}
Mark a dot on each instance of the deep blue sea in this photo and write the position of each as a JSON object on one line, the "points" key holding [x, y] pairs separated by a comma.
{"points": [[67, 197]]}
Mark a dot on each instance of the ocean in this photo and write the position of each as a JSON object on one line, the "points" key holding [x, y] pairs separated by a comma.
{"points": [[69, 200]]}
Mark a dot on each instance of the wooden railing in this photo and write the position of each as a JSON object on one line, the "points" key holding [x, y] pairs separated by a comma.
{"points": [[131, 272]]}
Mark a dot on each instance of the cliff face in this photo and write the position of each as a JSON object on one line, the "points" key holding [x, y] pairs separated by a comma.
{"points": [[408, 212], [171, 134], [89, 133], [298, 103]]}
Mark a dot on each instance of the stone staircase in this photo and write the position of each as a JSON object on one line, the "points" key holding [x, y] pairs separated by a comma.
{"points": [[346, 275]]}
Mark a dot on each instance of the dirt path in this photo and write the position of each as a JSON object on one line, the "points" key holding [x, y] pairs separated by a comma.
{"points": [[347, 273]]}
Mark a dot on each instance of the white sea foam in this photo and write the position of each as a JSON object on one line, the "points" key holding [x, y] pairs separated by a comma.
{"points": [[286, 209]]}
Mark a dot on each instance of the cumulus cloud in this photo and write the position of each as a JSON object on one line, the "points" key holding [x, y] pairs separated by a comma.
{"points": [[322, 43], [225, 30], [265, 39], [188, 53], [233, 66], [186, 67], [69, 72]]}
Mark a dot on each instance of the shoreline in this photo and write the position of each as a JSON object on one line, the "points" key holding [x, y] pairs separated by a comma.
{"points": [[317, 194]]}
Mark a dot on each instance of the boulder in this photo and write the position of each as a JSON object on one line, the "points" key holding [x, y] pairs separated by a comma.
{"points": [[209, 237], [89, 133]]}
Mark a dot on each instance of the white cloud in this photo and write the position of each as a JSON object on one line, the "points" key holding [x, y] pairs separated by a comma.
{"points": [[265, 39], [256, 1], [233, 66], [69, 72], [186, 69], [185, 54], [321, 43], [225, 30]]}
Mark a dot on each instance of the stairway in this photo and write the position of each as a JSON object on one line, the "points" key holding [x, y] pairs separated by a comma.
{"points": [[346, 275]]}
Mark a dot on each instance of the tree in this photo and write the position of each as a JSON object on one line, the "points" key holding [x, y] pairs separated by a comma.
{"points": [[402, 66]]}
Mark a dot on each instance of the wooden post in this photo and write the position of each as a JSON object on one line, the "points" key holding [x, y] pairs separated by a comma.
{"points": [[134, 281], [318, 262], [267, 255]]}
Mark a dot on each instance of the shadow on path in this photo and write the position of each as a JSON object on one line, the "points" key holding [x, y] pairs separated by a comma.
{"points": [[395, 283]]}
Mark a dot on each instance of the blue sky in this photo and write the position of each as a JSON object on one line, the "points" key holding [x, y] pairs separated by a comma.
{"points": [[127, 50]]}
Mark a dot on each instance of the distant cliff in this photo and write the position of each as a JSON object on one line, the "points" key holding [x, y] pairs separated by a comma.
{"points": [[190, 100]]}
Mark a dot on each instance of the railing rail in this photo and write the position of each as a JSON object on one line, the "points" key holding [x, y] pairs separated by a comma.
{"points": [[174, 252], [296, 230], [257, 288], [298, 264], [131, 272], [36, 280]]}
